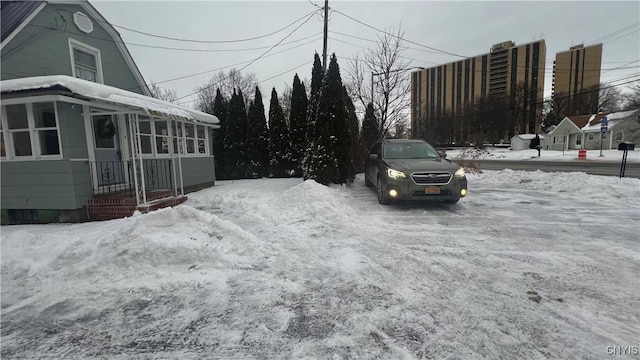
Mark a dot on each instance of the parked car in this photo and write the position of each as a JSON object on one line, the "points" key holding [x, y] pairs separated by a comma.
{"points": [[413, 170]]}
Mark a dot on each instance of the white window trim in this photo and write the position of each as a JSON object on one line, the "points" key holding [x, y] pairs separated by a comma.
{"points": [[75, 44], [621, 136], [591, 137], [33, 134]]}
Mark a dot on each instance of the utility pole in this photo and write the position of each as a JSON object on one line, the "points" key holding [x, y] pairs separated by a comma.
{"points": [[326, 31]]}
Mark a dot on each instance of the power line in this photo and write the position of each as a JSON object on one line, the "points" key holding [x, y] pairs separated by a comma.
{"points": [[615, 32], [389, 34], [204, 41], [254, 60]]}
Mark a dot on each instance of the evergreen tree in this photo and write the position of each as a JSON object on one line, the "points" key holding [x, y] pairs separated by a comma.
{"points": [[280, 153], [235, 145], [298, 123], [354, 128], [370, 132], [257, 139], [220, 111], [312, 136], [332, 110]]}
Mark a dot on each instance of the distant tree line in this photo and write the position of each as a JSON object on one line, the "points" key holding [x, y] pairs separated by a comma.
{"points": [[316, 135]]}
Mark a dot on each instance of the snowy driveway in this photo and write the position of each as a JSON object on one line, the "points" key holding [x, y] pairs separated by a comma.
{"points": [[530, 265]]}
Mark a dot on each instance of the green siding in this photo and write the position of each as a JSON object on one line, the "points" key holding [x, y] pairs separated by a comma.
{"points": [[198, 170], [72, 131], [42, 48], [48, 184]]}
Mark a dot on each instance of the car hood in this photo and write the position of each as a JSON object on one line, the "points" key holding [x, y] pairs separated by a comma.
{"points": [[411, 165]]}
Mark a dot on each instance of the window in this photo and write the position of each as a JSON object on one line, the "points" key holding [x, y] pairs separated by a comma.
{"points": [[31, 131], [85, 61], [590, 137], [192, 137], [603, 136], [558, 139], [162, 137], [18, 126], [619, 136], [145, 136], [579, 139], [104, 139]]}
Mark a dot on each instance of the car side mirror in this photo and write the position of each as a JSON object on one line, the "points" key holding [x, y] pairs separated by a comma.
{"points": [[442, 154], [373, 156]]}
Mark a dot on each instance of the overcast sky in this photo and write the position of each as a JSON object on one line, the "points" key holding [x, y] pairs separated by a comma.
{"points": [[464, 28]]}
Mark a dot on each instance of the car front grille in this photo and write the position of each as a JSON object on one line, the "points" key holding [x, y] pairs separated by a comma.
{"points": [[431, 178]]}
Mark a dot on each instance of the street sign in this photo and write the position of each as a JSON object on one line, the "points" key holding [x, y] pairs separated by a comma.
{"points": [[603, 129], [604, 122]]}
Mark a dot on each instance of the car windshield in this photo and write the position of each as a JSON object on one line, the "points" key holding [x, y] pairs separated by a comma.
{"points": [[410, 151]]}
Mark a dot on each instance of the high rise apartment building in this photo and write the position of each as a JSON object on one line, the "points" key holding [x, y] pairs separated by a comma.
{"points": [[515, 74], [576, 80]]}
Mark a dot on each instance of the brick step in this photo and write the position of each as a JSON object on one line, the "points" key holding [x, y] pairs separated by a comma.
{"points": [[109, 211], [125, 199]]}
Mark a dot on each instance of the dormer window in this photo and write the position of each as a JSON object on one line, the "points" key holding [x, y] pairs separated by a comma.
{"points": [[85, 62]]}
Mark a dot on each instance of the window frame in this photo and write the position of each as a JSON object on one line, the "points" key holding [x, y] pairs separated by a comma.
{"points": [[75, 44], [590, 137], [619, 135], [182, 137], [34, 134]]}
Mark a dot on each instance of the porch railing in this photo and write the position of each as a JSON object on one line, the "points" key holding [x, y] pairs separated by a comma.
{"points": [[117, 178]]}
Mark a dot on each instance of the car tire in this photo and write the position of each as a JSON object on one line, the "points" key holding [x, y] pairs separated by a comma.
{"points": [[367, 182], [382, 198]]}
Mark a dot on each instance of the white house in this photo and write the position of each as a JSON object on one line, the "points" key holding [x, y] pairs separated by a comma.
{"points": [[523, 141]]}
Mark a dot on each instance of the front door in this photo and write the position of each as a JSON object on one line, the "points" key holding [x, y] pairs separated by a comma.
{"points": [[110, 170]]}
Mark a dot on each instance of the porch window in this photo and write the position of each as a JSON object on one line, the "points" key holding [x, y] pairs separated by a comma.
{"points": [[146, 137], [162, 137], [3, 151], [619, 136], [18, 126], [85, 61], [190, 138], [31, 130], [202, 140]]}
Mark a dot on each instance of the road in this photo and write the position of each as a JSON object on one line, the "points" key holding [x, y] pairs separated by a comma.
{"points": [[589, 167]]}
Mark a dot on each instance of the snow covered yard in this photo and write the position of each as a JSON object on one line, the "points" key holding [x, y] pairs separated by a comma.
{"points": [[530, 265]]}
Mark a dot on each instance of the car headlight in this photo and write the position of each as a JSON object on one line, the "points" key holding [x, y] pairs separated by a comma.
{"points": [[395, 174], [459, 172]]}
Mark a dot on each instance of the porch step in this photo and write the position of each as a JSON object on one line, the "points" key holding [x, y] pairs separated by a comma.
{"points": [[122, 198], [105, 208]]}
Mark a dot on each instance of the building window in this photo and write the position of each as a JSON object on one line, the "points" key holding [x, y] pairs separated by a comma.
{"points": [[578, 139], [85, 62], [603, 136], [44, 115], [619, 136], [31, 131], [161, 136], [144, 126], [558, 139], [590, 137]]}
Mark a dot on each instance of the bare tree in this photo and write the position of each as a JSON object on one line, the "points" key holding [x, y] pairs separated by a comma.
{"points": [[632, 98], [380, 77], [168, 95], [227, 82], [604, 98]]}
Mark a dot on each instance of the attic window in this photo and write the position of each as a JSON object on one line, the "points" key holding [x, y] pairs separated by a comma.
{"points": [[83, 22], [85, 61]]}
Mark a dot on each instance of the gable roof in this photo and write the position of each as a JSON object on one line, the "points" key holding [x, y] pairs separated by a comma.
{"points": [[106, 94], [582, 120], [529, 136], [18, 13], [14, 13]]}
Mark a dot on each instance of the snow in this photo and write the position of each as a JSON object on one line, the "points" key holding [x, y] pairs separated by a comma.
{"points": [[529, 136], [529, 265], [614, 156], [106, 93], [613, 119]]}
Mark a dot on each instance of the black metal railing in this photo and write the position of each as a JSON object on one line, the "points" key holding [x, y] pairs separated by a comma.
{"points": [[117, 177]]}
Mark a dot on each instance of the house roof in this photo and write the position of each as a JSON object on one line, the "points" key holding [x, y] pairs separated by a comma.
{"points": [[582, 120], [14, 13], [18, 13], [528, 136], [612, 119], [107, 94]]}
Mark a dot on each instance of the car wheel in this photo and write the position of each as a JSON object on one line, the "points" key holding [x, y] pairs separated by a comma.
{"points": [[367, 182], [382, 198]]}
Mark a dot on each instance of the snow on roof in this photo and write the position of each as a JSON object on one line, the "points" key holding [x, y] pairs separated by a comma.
{"points": [[107, 93], [613, 119], [529, 136]]}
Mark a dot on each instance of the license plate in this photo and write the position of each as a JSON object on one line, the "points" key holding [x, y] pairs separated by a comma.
{"points": [[432, 190]]}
